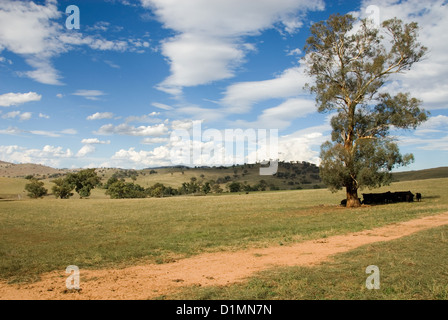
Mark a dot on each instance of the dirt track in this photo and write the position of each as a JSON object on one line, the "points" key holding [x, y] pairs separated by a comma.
{"points": [[149, 281]]}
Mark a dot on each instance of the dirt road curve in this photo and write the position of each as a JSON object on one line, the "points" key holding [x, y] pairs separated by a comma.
{"points": [[149, 281]]}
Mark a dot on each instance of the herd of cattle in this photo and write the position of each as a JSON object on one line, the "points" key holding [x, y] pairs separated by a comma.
{"points": [[387, 197]]}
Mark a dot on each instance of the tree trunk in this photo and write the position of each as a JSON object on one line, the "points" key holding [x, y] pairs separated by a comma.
{"points": [[352, 197]]}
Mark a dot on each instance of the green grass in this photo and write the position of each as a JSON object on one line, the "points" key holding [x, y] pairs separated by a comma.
{"points": [[42, 235], [410, 268]]}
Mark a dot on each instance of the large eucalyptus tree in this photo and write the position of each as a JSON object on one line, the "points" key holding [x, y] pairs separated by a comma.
{"points": [[350, 62]]}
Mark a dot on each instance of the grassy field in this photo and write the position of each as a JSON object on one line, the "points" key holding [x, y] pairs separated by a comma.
{"points": [[49, 234], [411, 268]]}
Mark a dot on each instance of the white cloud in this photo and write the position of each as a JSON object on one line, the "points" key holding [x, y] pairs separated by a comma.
{"points": [[69, 131], [294, 52], [154, 140], [198, 59], [112, 64], [14, 99], [181, 124], [432, 135], [196, 112], [101, 115], [94, 141], [85, 150], [14, 114], [240, 97], [11, 115], [145, 118], [162, 106], [25, 116], [160, 156], [127, 130], [427, 79], [304, 144], [89, 94], [44, 116], [52, 134], [36, 32], [48, 155], [209, 43], [3, 60], [281, 116], [43, 133], [11, 131]]}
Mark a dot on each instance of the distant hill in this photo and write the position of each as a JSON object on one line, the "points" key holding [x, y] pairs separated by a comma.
{"points": [[290, 175], [434, 173], [12, 170]]}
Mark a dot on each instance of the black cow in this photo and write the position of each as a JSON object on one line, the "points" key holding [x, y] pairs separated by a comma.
{"points": [[418, 196], [376, 198], [403, 196], [388, 197]]}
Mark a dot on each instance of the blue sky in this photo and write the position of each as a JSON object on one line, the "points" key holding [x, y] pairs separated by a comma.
{"points": [[111, 93]]}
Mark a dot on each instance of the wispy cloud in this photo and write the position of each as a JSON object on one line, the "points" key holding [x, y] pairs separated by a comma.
{"points": [[162, 106], [89, 94]]}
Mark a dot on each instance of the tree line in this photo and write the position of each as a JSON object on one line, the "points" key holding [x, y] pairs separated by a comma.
{"points": [[84, 181]]}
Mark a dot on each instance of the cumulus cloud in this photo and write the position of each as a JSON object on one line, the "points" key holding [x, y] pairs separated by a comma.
{"points": [[17, 114], [209, 44], [160, 156], [101, 115], [25, 116], [15, 99], [48, 155], [85, 150]]}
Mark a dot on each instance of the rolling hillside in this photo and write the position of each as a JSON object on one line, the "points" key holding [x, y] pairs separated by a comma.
{"points": [[12, 170], [434, 173], [290, 175]]}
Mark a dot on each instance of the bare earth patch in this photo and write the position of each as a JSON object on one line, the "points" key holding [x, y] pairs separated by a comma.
{"points": [[221, 268]]}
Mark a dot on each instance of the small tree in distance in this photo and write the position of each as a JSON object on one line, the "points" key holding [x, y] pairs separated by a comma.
{"points": [[83, 181], [36, 189], [62, 188], [350, 67]]}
